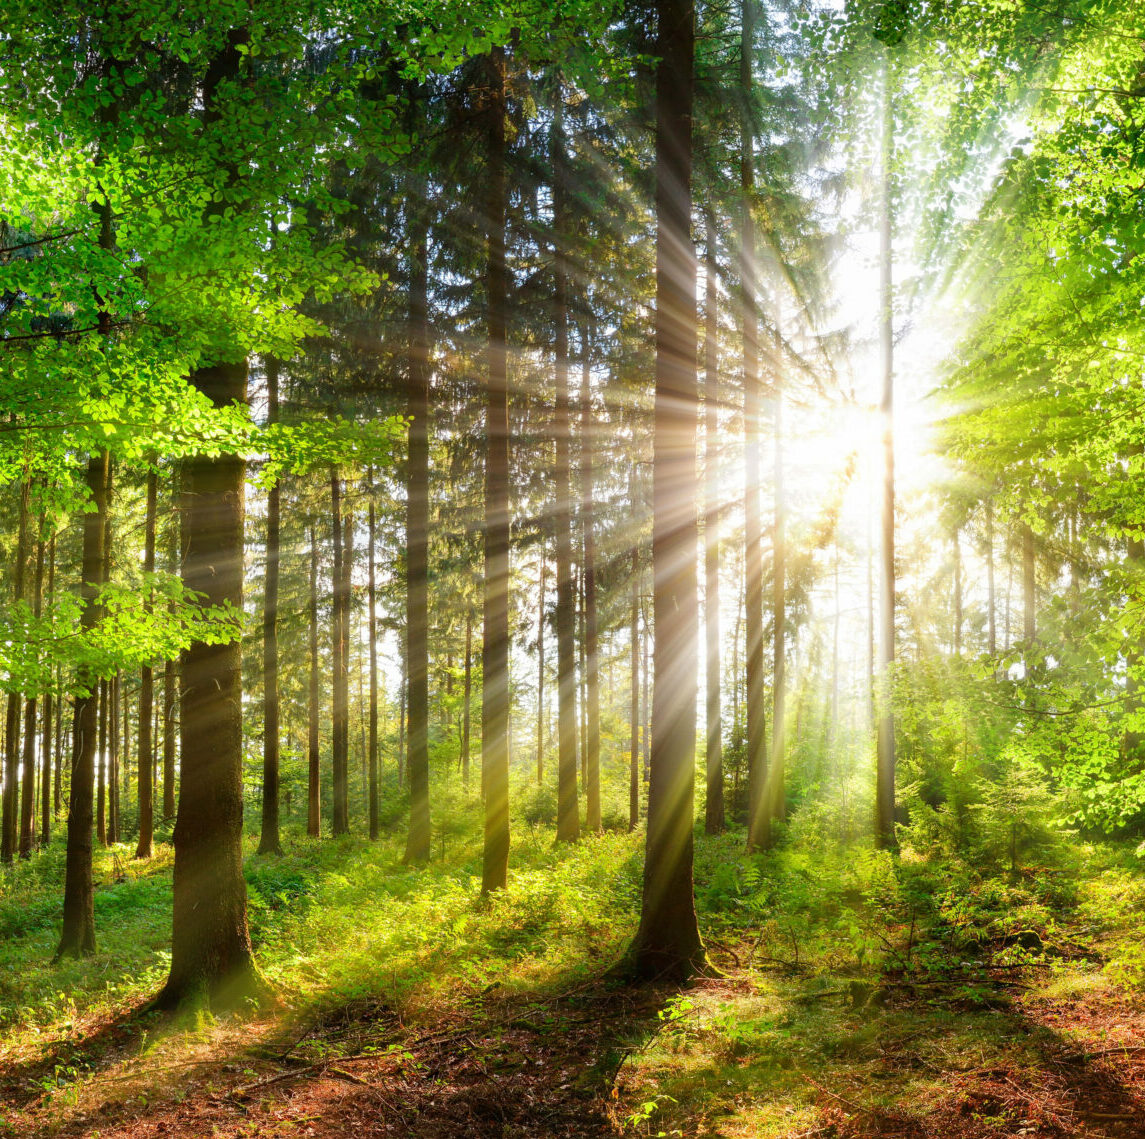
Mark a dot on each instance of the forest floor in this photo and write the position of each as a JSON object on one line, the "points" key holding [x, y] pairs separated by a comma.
{"points": [[852, 1004]]}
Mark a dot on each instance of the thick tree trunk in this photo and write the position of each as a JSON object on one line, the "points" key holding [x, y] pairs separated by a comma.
{"points": [[373, 641], [147, 693], [78, 936], [314, 771], [495, 647], [714, 741], [667, 945], [210, 943], [417, 542], [591, 639], [759, 808], [885, 775], [269, 841]]}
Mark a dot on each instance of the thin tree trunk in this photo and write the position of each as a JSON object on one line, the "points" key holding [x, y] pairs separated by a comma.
{"points": [[541, 677], [591, 640], [313, 764], [634, 664], [417, 540], [991, 631], [46, 724], [759, 808], [269, 841], [714, 741], [28, 799], [9, 824], [77, 938], [778, 796], [667, 945], [373, 640], [339, 723], [957, 596], [113, 742], [147, 692], [885, 778], [466, 698], [495, 647], [101, 793], [1029, 586]]}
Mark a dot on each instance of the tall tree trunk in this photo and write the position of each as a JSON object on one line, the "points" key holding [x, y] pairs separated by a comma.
{"points": [[885, 776], [147, 691], [28, 795], [778, 795], [1029, 586], [9, 824], [495, 647], [417, 539], [957, 596], [991, 630], [667, 944], [466, 697], [269, 841], [373, 614], [340, 692], [78, 936], [759, 808], [714, 743], [541, 676], [634, 664], [171, 677], [104, 757], [314, 770], [568, 814], [591, 640], [113, 741], [46, 723]]}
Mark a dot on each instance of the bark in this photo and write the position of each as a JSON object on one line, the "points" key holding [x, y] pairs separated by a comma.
{"points": [[777, 789], [46, 724], [9, 823], [314, 771], [568, 815], [147, 694], [541, 676], [1029, 586], [373, 612], [495, 646], [591, 639], [78, 936], [170, 686], [101, 790], [885, 774], [269, 841], [667, 945], [210, 944], [957, 596], [28, 795], [991, 629], [714, 742], [417, 541], [759, 808], [113, 740], [340, 692], [634, 665]]}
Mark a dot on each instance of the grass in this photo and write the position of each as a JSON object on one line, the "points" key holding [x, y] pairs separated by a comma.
{"points": [[855, 980]]}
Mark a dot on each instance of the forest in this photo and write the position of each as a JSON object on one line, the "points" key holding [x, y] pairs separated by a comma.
{"points": [[572, 569]]}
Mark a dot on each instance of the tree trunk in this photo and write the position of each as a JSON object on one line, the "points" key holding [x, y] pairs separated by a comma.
{"points": [[957, 596], [340, 692], [9, 824], [1029, 586], [991, 630], [495, 647], [314, 770], [885, 777], [147, 692], [170, 685], [714, 742], [28, 799], [78, 936], [417, 541], [634, 664], [778, 795], [541, 676], [373, 640], [759, 807], [591, 641], [46, 724], [269, 841], [210, 944], [465, 711], [104, 758], [667, 945]]}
